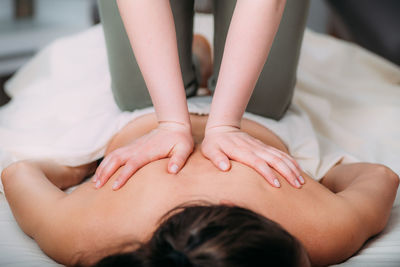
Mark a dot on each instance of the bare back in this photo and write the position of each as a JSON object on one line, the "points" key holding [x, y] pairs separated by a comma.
{"points": [[90, 223], [133, 212]]}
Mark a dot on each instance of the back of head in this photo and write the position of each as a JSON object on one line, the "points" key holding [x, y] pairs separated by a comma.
{"points": [[219, 236]]}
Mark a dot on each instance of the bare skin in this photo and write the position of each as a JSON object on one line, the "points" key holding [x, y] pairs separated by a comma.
{"points": [[332, 219]]}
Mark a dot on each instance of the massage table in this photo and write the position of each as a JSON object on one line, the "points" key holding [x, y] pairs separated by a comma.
{"points": [[346, 105]]}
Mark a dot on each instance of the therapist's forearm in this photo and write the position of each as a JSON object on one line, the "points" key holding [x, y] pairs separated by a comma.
{"points": [[150, 28], [250, 36]]}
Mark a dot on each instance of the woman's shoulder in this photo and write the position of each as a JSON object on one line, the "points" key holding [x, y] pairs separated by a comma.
{"points": [[143, 124], [263, 134]]}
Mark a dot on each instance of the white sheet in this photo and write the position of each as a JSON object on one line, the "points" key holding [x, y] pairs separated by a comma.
{"points": [[346, 105]]}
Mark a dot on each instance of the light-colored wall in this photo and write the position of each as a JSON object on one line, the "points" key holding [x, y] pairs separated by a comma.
{"points": [[5, 9], [20, 39], [73, 12]]}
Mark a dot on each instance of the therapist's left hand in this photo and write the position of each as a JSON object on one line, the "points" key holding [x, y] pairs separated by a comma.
{"points": [[222, 143]]}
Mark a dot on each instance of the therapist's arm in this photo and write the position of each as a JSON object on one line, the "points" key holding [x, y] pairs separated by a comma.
{"points": [[250, 36], [151, 31]]}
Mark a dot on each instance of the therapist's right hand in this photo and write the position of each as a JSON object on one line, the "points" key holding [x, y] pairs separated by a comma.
{"points": [[169, 140]]}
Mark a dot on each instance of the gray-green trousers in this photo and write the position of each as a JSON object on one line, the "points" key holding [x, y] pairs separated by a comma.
{"points": [[274, 89]]}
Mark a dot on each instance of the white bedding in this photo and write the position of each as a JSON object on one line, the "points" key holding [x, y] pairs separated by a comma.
{"points": [[346, 106]]}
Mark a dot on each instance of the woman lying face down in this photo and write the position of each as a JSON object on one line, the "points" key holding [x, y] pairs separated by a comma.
{"points": [[200, 216]]}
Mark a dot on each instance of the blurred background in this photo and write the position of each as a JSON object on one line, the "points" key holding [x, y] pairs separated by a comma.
{"points": [[26, 26]]}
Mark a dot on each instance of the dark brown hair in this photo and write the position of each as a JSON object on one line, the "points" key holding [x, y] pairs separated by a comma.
{"points": [[216, 235]]}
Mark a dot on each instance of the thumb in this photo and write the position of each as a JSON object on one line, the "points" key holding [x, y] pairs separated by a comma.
{"points": [[178, 158], [219, 159]]}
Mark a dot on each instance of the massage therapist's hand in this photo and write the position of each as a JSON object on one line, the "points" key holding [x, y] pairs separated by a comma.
{"points": [[222, 143], [169, 139]]}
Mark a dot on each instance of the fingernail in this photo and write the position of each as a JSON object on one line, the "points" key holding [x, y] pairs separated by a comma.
{"points": [[94, 179], [98, 184], [301, 179], [277, 183], [115, 185], [174, 168], [297, 183], [223, 166]]}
